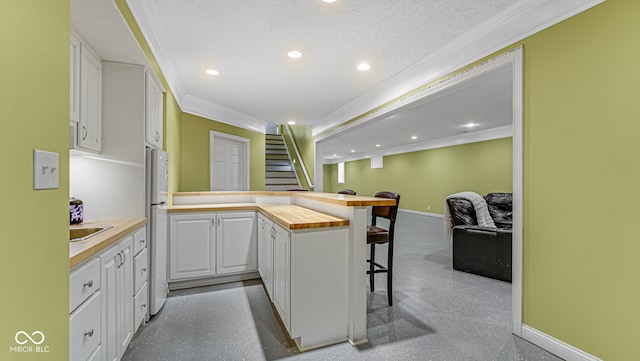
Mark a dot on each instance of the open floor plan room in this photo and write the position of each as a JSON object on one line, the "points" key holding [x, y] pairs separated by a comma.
{"points": [[438, 314]]}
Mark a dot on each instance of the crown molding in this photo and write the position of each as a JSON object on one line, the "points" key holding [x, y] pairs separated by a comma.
{"points": [[147, 20], [470, 137], [206, 109], [508, 27]]}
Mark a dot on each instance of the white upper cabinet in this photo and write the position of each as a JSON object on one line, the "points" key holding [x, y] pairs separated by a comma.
{"points": [[74, 79], [90, 121], [153, 111]]}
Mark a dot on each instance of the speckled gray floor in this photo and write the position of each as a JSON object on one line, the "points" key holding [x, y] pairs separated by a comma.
{"points": [[438, 314]]}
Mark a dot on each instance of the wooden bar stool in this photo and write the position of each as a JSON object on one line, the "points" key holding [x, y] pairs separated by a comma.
{"points": [[377, 235]]}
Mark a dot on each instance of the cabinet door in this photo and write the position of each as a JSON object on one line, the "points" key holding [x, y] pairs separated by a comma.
{"points": [[117, 298], [125, 295], [281, 273], [74, 79], [265, 252], [153, 112], [236, 249], [110, 261], [90, 125], [191, 246]]}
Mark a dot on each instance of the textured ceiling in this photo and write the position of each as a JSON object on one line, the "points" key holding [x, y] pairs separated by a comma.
{"points": [[247, 41], [408, 44]]}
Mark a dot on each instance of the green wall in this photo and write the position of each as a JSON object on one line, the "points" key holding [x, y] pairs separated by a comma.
{"points": [[581, 120], [304, 141], [428, 177], [581, 173], [34, 98], [195, 133]]}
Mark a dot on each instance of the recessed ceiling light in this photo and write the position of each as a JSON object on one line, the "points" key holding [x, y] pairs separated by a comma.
{"points": [[414, 137], [335, 155], [212, 72], [364, 67], [470, 125], [329, 1], [377, 145], [353, 150], [291, 122], [294, 54]]}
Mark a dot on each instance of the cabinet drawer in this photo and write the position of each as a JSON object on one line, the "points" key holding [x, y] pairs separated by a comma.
{"points": [[140, 307], [139, 240], [83, 282], [84, 329], [140, 270]]}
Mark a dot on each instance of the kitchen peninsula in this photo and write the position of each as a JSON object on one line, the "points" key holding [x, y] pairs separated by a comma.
{"points": [[309, 249]]}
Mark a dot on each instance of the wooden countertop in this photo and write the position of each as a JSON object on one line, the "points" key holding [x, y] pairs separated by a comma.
{"points": [[295, 217], [334, 198], [82, 250], [287, 215]]}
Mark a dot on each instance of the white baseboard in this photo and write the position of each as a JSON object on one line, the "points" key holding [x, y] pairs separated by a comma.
{"points": [[426, 214], [555, 346]]}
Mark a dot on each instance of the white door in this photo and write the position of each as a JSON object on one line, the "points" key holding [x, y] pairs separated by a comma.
{"points": [[229, 169]]}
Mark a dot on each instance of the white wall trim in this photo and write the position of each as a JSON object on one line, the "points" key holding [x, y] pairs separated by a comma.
{"points": [[555, 346], [247, 155], [506, 28], [517, 188], [205, 109], [471, 137], [420, 213]]}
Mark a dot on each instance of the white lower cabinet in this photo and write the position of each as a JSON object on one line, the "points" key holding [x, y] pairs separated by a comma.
{"points": [[140, 278], [85, 300], [282, 272], [211, 244], [265, 252], [191, 245], [117, 296], [310, 273], [102, 305], [236, 242]]}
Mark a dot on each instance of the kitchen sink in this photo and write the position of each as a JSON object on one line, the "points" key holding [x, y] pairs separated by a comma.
{"points": [[81, 234]]}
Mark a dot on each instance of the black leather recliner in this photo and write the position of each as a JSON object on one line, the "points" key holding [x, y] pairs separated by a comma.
{"points": [[482, 250]]}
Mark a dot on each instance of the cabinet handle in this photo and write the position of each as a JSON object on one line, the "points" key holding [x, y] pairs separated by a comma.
{"points": [[144, 270], [89, 283], [142, 241], [143, 306], [157, 136], [84, 132], [120, 261], [124, 257], [89, 333]]}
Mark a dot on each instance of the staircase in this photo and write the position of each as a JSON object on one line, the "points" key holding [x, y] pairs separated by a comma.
{"points": [[280, 174]]}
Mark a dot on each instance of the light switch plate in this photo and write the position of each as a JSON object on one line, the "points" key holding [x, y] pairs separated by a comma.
{"points": [[45, 169]]}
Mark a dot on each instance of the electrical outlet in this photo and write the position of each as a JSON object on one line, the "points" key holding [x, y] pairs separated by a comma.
{"points": [[428, 207], [45, 169]]}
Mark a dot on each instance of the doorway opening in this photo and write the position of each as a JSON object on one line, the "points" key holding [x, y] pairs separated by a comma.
{"points": [[511, 60]]}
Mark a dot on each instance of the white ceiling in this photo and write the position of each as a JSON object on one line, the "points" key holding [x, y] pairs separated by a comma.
{"points": [[408, 43]]}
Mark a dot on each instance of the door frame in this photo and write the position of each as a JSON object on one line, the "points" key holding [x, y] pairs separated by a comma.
{"points": [[246, 145], [515, 59]]}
